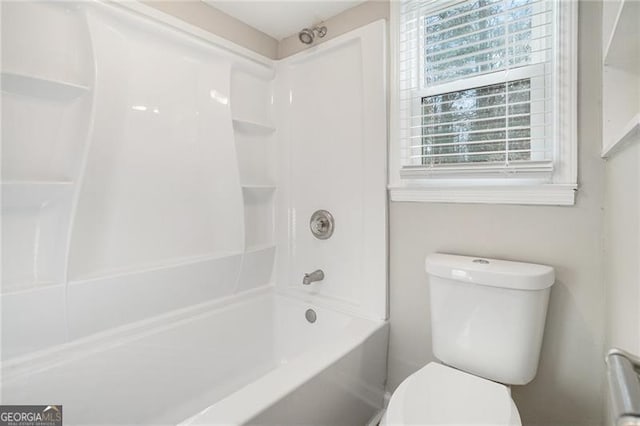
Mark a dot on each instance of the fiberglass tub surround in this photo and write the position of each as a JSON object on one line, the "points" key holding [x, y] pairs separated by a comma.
{"points": [[155, 221]]}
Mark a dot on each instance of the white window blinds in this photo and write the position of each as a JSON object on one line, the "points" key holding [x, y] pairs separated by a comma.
{"points": [[476, 87]]}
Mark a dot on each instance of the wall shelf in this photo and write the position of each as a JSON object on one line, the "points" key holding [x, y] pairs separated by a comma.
{"points": [[620, 75], [29, 85], [252, 113], [628, 133], [623, 48], [252, 128]]}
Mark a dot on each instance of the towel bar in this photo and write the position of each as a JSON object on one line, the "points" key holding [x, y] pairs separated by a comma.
{"points": [[624, 388]]}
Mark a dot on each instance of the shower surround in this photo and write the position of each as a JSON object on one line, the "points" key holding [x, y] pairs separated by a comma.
{"points": [[157, 186]]}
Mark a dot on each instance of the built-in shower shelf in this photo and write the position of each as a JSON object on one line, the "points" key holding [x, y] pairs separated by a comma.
{"points": [[252, 127], [34, 193], [628, 133], [30, 85], [623, 45]]}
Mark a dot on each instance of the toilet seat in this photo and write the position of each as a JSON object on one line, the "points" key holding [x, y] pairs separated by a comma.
{"points": [[441, 395]]}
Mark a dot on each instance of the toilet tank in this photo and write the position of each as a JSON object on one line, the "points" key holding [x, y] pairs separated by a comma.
{"points": [[488, 315]]}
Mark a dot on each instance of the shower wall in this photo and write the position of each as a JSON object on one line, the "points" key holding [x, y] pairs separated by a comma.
{"points": [[130, 180], [332, 156], [149, 166]]}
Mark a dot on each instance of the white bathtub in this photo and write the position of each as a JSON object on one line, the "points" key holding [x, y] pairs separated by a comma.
{"points": [[253, 359]]}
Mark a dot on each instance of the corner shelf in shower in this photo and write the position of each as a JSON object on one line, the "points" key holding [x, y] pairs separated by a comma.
{"points": [[628, 133], [623, 43], [29, 85], [252, 127], [620, 75], [34, 193]]}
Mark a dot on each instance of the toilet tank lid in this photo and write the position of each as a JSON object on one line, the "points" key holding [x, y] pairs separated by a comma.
{"points": [[490, 272]]}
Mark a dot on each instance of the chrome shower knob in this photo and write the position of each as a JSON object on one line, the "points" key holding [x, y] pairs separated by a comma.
{"points": [[321, 224]]}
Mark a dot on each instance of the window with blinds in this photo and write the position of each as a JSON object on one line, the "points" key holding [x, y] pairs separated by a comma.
{"points": [[476, 87]]}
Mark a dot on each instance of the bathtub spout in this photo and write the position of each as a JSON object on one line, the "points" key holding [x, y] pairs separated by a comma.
{"points": [[316, 275]]}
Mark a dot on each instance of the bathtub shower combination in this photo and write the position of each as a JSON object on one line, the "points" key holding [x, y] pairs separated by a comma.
{"points": [[158, 185]]}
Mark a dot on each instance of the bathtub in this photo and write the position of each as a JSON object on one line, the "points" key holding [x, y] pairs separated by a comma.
{"points": [[250, 359]]}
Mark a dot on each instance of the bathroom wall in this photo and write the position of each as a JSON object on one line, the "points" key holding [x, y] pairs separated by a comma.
{"points": [[568, 388], [217, 22], [369, 11]]}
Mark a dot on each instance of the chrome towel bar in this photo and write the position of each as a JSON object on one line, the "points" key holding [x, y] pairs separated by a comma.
{"points": [[624, 388]]}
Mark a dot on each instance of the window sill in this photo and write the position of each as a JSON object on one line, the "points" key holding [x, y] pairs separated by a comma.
{"points": [[547, 194]]}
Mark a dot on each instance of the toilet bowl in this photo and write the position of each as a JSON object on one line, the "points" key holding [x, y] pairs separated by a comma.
{"points": [[487, 322], [441, 395]]}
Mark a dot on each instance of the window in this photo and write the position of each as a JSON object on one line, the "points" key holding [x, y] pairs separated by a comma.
{"points": [[484, 101]]}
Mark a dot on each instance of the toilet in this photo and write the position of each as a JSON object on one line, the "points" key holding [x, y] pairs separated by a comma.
{"points": [[487, 322]]}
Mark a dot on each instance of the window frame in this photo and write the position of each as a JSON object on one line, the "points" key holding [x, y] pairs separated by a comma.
{"points": [[557, 187]]}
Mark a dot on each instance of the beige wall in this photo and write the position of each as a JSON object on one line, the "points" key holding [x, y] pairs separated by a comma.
{"points": [[568, 388], [365, 13], [219, 23]]}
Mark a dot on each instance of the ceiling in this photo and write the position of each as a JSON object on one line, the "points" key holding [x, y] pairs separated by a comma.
{"points": [[282, 18]]}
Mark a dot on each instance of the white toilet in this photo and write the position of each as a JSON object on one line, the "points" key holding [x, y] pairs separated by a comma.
{"points": [[487, 321]]}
